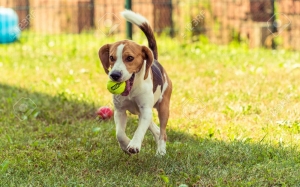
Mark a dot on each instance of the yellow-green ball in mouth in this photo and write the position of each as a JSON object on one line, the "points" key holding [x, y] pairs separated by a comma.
{"points": [[116, 87]]}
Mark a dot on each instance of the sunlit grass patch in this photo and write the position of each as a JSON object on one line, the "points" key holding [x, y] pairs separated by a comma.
{"points": [[234, 117]]}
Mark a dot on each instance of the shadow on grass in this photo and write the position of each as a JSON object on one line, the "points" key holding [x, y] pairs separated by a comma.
{"points": [[61, 142]]}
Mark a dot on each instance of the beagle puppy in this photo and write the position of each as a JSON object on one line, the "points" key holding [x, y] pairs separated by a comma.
{"points": [[147, 86]]}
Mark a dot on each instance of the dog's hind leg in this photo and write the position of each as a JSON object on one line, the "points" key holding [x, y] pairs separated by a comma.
{"points": [[155, 131], [163, 115]]}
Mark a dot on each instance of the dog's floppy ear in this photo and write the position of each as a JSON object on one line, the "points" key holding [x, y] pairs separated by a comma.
{"points": [[148, 56], [104, 57]]}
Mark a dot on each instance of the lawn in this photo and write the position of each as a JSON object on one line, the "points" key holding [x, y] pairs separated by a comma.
{"points": [[234, 116]]}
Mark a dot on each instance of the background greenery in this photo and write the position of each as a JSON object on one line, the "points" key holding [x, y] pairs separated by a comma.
{"points": [[234, 116]]}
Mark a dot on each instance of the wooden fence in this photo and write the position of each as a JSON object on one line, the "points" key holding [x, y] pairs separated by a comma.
{"points": [[220, 20]]}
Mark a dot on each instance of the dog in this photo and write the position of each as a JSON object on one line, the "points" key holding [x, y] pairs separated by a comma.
{"points": [[147, 86]]}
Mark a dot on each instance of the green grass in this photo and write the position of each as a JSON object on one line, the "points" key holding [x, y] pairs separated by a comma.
{"points": [[234, 117]]}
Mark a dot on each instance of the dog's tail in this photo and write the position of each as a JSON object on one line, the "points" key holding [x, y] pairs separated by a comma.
{"points": [[143, 24]]}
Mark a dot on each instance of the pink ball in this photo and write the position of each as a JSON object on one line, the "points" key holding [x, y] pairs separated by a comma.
{"points": [[105, 112]]}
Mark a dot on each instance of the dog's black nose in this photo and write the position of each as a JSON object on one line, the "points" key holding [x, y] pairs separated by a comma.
{"points": [[116, 75]]}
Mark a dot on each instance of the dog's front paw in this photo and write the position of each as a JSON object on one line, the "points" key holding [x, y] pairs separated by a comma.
{"points": [[133, 147], [125, 149], [124, 142]]}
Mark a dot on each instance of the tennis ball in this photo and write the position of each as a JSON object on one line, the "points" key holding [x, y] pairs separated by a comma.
{"points": [[116, 87]]}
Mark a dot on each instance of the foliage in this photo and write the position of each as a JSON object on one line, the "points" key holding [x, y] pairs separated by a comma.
{"points": [[234, 116]]}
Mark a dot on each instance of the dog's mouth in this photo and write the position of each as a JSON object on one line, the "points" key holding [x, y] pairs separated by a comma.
{"points": [[129, 84]]}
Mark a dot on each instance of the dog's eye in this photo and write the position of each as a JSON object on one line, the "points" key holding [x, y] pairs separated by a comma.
{"points": [[111, 58], [129, 59]]}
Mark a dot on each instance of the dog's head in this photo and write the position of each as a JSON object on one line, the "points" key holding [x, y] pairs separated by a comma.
{"points": [[121, 60]]}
